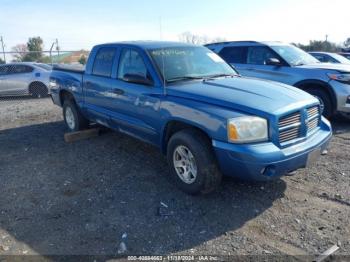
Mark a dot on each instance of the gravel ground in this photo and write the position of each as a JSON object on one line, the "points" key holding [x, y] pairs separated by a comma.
{"points": [[80, 198]]}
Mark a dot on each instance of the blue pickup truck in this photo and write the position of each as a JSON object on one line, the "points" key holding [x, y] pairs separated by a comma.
{"points": [[208, 120]]}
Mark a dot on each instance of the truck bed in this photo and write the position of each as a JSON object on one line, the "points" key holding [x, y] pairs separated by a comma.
{"points": [[69, 68]]}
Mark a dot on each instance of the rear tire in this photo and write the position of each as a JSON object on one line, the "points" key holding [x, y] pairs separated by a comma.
{"points": [[38, 90], [325, 101], [74, 120], [198, 172]]}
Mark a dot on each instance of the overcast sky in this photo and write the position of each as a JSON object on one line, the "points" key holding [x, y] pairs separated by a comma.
{"points": [[81, 24]]}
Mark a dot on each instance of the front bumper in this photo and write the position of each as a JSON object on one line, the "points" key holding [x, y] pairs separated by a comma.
{"points": [[342, 92], [266, 161]]}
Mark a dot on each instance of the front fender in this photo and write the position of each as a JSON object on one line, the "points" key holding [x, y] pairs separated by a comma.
{"points": [[210, 119]]}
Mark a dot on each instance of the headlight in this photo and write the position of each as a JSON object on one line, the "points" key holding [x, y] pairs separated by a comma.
{"points": [[247, 129], [344, 78]]}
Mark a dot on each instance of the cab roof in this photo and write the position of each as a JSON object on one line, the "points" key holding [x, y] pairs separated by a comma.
{"points": [[250, 43], [146, 44]]}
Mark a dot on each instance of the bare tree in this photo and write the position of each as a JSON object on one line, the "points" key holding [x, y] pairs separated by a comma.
{"points": [[191, 38], [347, 42], [21, 51]]}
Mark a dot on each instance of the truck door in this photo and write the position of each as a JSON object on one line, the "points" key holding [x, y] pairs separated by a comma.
{"points": [[135, 106], [97, 85]]}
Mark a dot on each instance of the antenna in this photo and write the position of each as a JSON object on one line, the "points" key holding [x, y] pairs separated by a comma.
{"points": [[162, 54]]}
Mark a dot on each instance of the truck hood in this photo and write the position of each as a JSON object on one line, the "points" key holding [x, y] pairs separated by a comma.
{"points": [[328, 66], [243, 94]]}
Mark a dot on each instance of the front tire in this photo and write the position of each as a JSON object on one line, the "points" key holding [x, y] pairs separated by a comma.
{"points": [[74, 120], [325, 101], [192, 162]]}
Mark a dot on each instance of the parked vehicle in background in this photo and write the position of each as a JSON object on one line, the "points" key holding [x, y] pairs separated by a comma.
{"points": [[19, 79], [326, 57], [203, 116], [346, 55], [285, 63]]}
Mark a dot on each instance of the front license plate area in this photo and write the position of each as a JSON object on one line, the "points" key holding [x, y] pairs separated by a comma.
{"points": [[313, 157]]}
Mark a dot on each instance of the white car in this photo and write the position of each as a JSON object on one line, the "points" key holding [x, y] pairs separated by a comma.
{"points": [[19, 79]]}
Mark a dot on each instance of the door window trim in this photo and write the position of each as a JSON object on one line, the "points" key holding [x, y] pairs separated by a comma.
{"points": [[112, 64], [121, 51]]}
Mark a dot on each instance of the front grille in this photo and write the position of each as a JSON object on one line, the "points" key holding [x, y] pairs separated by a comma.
{"points": [[289, 127], [298, 124], [313, 118]]}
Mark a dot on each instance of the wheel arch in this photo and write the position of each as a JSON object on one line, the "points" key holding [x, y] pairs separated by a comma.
{"points": [[36, 82], [65, 94], [315, 83], [175, 125]]}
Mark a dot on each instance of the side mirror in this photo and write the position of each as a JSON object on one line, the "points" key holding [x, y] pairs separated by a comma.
{"points": [[137, 79], [273, 62]]}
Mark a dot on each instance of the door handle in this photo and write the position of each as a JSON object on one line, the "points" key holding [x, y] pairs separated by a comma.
{"points": [[118, 91]]}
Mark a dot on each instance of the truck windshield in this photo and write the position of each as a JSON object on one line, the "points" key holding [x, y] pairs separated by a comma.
{"points": [[294, 55], [189, 62]]}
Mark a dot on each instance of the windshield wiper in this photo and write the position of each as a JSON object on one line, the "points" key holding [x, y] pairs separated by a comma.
{"points": [[219, 75], [182, 78]]}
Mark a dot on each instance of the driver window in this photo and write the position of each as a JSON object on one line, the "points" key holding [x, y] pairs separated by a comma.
{"points": [[258, 55], [131, 62], [330, 59]]}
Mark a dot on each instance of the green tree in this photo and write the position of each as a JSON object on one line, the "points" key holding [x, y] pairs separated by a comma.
{"points": [[82, 60], [316, 45], [347, 42], [35, 46], [45, 59], [2, 61]]}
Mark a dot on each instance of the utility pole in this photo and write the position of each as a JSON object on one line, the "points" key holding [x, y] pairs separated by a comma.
{"points": [[57, 48], [51, 52], [326, 38], [3, 48]]}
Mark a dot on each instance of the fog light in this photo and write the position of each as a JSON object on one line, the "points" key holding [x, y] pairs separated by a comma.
{"points": [[269, 171], [348, 100]]}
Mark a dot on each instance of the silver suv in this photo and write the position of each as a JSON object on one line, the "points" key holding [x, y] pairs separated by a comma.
{"points": [[287, 64]]}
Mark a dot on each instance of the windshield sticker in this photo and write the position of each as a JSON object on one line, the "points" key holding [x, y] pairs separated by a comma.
{"points": [[215, 58]]}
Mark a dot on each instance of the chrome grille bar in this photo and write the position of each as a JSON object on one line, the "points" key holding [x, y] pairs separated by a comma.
{"points": [[289, 127]]}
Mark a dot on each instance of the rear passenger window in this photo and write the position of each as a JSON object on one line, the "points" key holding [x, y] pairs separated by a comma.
{"points": [[4, 70], [235, 55], [104, 62], [258, 55]]}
